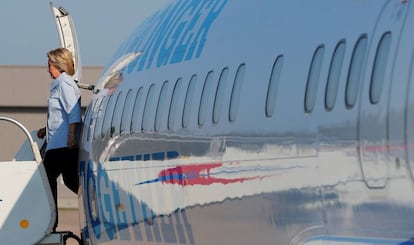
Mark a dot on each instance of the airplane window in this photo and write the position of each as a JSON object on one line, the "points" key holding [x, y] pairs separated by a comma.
{"points": [[137, 111], [127, 112], [116, 119], [99, 117], [331, 91], [220, 95], [86, 134], [189, 100], [204, 101], [313, 79], [162, 105], [273, 85], [148, 109], [378, 72], [174, 104], [109, 113], [355, 71], [236, 91], [89, 120], [88, 111]]}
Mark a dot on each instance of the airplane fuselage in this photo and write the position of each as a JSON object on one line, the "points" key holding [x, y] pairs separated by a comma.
{"points": [[245, 122]]}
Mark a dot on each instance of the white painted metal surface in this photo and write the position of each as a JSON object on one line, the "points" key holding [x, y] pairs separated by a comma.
{"points": [[67, 35], [27, 211], [26, 206]]}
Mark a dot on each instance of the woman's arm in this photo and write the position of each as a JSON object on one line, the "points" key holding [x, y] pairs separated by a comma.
{"points": [[72, 135]]}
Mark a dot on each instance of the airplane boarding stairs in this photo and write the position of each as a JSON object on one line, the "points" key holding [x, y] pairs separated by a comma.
{"points": [[27, 209]]}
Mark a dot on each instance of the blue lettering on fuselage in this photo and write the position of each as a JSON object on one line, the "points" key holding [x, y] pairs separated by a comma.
{"points": [[115, 214], [179, 33]]}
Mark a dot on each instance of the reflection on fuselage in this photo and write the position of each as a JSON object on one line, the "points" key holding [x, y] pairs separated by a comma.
{"points": [[275, 125]]}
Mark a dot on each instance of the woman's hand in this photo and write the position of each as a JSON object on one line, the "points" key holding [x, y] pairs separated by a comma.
{"points": [[72, 142], [41, 133]]}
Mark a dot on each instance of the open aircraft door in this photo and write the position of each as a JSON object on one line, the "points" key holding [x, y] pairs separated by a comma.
{"points": [[374, 133], [68, 39]]}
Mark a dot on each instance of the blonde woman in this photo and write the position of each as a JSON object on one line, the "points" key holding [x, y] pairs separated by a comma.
{"points": [[63, 123]]}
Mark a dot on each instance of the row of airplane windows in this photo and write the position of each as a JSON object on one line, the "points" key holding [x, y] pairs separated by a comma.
{"points": [[354, 73], [138, 105], [136, 113]]}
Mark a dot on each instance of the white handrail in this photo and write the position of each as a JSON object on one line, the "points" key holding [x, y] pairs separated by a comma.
{"points": [[33, 144]]}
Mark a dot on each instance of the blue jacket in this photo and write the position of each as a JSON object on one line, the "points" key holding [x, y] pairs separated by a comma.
{"points": [[63, 109]]}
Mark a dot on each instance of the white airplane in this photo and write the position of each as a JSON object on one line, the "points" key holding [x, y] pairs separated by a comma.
{"points": [[255, 122], [245, 122]]}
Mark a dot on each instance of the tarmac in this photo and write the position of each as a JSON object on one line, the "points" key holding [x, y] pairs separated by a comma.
{"points": [[68, 211], [69, 221]]}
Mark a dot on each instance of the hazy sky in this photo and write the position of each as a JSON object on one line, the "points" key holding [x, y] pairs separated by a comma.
{"points": [[28, 30]]}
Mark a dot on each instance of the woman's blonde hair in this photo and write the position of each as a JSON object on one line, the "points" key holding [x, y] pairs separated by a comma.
{"points": [[62, 59]]}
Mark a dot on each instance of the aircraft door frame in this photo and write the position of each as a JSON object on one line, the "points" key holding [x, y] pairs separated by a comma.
{"points": [[373, 131], [409, 136], [409, 102]]}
